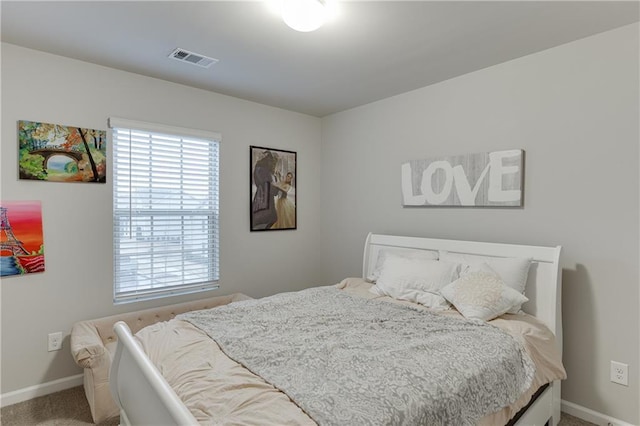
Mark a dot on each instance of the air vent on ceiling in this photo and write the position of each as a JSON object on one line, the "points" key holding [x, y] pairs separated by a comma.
{"points": [[192, 58]]}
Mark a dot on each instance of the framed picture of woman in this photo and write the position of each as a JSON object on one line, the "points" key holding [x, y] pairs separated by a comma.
{"points": [[273, 189]]}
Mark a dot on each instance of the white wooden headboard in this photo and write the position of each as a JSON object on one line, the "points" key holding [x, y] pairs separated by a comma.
{"points": [[543, 283]]}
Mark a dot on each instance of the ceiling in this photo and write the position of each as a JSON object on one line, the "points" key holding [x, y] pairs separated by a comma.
{"points": [[372, 50]]}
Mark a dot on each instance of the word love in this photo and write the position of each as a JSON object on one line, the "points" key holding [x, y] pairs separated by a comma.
{"points": [[486, 179]]}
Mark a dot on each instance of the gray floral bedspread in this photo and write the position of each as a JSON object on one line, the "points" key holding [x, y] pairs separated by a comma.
{"points": [[349, 361]]}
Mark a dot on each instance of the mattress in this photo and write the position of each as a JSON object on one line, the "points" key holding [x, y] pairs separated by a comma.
{"points": [[220, 391]]}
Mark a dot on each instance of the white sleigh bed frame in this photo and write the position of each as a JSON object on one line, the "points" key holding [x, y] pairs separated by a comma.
{"points": [[145, 398]]}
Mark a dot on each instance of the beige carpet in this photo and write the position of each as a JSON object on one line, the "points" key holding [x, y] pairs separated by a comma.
{"points": [[65, 408], [70, 408]]}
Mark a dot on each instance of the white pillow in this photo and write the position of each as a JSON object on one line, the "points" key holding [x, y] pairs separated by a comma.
{"points": [[434, 301], [482, 295], [416, 280], [512, 270], [408, 253]]}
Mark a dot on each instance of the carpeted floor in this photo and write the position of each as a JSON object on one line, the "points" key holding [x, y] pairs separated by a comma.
{"points": [[70, 408], [65, 408]]}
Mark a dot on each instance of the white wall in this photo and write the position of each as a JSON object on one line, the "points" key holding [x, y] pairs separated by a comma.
{"points": [[574, 110], [77, 283]]}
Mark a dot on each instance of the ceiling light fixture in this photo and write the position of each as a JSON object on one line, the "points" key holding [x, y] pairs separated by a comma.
{"points": [[304, 15]]}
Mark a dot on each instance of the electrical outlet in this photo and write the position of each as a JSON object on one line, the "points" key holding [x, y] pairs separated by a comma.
{"points": [[55, 341], [620, 373]]}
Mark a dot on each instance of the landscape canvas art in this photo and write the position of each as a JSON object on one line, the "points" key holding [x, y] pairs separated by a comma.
{"points": [[52, 152], [273, 189], [21, 241]]}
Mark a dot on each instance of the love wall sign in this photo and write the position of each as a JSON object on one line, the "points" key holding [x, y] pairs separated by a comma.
{"points": [[485, 179]]}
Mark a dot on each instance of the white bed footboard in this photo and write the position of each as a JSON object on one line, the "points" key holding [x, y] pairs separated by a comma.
{"points": [[143, 395]]}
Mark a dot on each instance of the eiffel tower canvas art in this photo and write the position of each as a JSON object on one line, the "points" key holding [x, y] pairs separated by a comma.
{"points": [[21, 241]]}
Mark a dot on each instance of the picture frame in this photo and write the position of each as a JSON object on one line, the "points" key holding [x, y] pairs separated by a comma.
{"points": [[58, 153], [273, 189], [486, 179], [21, 238]]}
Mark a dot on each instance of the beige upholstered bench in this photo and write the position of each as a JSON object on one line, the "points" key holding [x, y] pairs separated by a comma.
{"points": [[93, 344]]}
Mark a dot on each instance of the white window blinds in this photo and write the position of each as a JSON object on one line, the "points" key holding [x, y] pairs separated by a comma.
{"points": [[165, 210]]}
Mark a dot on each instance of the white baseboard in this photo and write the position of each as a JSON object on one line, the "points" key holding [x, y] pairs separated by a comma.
{"points": [[31, 392], [590, 415]]}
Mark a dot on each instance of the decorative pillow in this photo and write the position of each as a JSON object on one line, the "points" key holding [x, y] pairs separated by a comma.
{"points": [[410, 279], [408, 253], [482, 295], [512, 270]]}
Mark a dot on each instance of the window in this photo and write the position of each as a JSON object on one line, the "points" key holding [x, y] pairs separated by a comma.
{"points": [[165, 210]]}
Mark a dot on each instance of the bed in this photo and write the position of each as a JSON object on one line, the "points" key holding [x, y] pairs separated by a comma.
{"points": [[159, 376]]}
